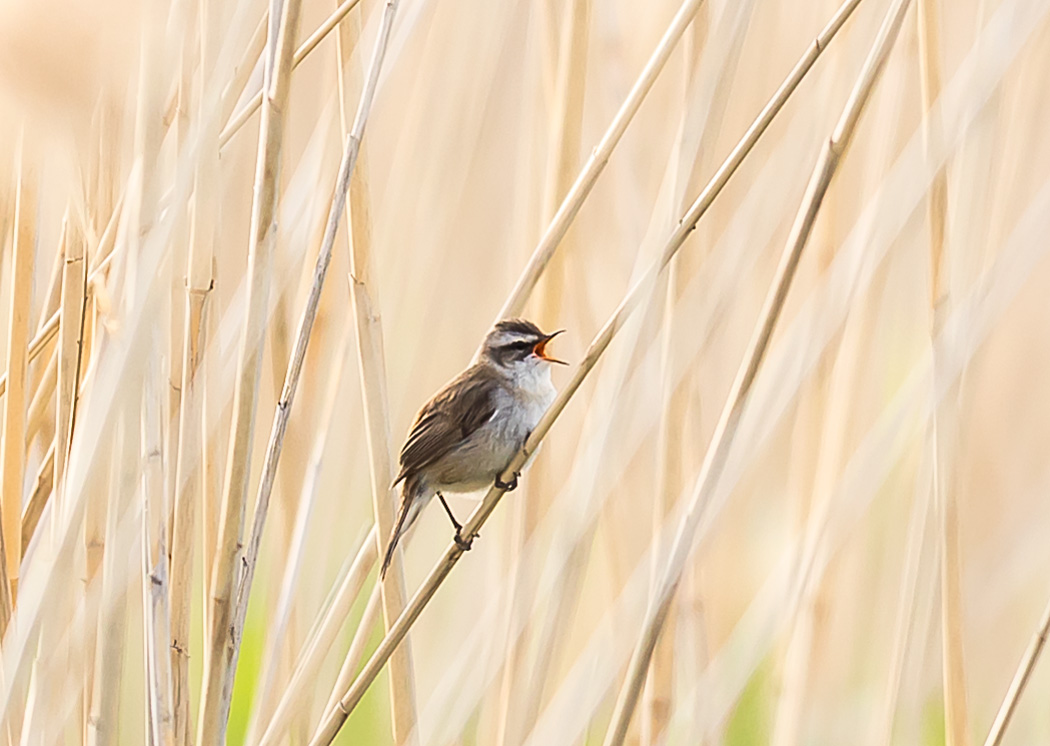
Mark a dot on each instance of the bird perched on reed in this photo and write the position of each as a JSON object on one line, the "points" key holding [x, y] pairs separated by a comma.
{"points": [[468, 432]]}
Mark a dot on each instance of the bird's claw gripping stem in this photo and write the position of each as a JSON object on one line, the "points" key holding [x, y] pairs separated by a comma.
{"points": [[508, 486], [463, 544]]}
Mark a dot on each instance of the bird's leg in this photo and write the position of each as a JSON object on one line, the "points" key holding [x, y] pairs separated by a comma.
{"points": [[508, 486], [462, 543]]}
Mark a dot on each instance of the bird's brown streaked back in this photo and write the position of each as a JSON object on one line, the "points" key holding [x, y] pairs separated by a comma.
{"points": [[436, 433]]}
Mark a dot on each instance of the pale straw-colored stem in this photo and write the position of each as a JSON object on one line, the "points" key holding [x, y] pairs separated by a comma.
{"points": [[42, 487], [1019, 681], [102, 725], [218, 650], [371, 360], [14, 415], [189, 454], [725, 430], [637, 293], [953, 668], [155, 610], [69, 324], [242, 116], [38, 418]]}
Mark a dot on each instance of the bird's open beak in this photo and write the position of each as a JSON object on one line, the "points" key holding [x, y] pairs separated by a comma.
{"points": [[540, 350]]}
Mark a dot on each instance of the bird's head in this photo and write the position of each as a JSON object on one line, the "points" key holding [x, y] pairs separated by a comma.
{"points": [[514, 344]]}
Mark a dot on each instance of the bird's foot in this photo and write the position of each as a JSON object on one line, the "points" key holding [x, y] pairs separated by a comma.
{"points": [[508, 486], [463, 544]]}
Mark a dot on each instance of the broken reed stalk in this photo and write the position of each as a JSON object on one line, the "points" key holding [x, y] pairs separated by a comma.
{"points": [[725, 431], [49, 328], [189, 461], [371, 365], [1020, 679], [295, 364], [301, 53], [641, 290], [263, 235], [70, 326], [155, 591], [43, 486], [597, 161], [14, 423]]}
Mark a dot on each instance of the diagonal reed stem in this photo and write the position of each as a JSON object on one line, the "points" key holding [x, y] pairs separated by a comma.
{"points": [[631, 300], [725, 431], [1020, 680]]}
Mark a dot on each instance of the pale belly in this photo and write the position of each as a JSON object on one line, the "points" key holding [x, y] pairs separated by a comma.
{"points": [[477, 462]]}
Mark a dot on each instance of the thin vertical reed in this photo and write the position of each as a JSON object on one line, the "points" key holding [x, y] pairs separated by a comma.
{"points": [[16, 401], [944, 498], [371, 361], [215, 703]]}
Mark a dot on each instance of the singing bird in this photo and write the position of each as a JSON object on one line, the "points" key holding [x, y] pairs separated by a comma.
{"points": [[468, 432]]}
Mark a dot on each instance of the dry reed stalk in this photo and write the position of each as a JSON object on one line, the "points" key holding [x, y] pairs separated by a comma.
{"points": [[295, 363], [277, 637], [944, 498], [189, 453], [70, 326], [242, 116], [638, 292], [1019, 681], [262, 238], [37, 419], [725, 430], [14, 424], [49, 328], [371, 360], [108, 659], [320, 642], [43, 486], [597, 161], [155, 611]]}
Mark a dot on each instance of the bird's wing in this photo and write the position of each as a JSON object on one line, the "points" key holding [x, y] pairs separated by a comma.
{"points": [[437, 431]]}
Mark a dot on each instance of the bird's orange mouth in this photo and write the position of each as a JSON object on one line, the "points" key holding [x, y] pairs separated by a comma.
{"points": [[540, 350]]}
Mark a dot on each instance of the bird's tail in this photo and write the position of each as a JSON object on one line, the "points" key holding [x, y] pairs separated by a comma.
{"points": [[411, 504]]}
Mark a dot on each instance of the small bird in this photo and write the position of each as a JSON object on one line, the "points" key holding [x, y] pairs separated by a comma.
{"points": [[468, 432]]}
